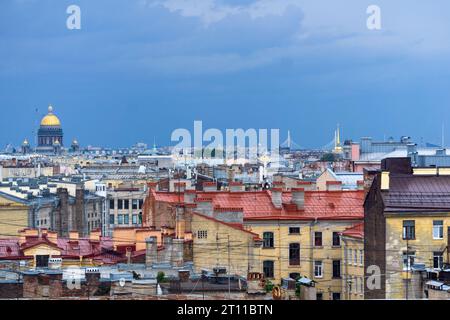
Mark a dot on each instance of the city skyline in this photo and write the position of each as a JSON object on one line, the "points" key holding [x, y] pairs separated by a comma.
{"points": [[139, 70]]}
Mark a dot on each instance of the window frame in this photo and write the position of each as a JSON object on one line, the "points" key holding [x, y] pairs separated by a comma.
{"points": [[269, 275], [294, 261], [335, 236], [439, 228], [316, 238], [318, 266], [268, 241]]}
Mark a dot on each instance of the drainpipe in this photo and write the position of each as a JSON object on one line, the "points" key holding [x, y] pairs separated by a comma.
{"points": [[311, 248]]}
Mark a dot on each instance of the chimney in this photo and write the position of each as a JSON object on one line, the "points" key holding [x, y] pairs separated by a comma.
{"points": [[180, 227], [165, 256], [334, 186], [204, 206], [236, 186], [209, 186], [52, 236], [62, 215], [151, 251], [276, 197], [95, 235], [360, 184], [298, 197], [73, 236], [179, 186], [385, 180], [189, 196], [176, 258], [278, 184], [306, 185], [152, 186], [229, 215]]}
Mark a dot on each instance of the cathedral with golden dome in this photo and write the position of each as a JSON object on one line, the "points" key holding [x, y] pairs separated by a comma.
{"points": [[50, 134]]}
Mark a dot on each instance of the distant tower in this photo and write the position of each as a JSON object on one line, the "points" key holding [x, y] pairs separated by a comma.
{"points": [[289, 139], [337, 141], [75, 147], [25, 147]]}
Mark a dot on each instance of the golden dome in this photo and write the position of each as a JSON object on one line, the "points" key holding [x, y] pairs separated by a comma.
{"points": [[50, 119]]}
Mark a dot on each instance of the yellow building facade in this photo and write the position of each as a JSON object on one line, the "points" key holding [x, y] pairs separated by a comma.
{"points": [[13, 217], [413, 238], [219, 244], [319, 247]]}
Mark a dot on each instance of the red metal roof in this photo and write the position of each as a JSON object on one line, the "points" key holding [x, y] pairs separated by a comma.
{"points": [[331, 205]]}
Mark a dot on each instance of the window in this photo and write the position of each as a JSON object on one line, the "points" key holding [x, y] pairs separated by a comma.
{"points": [[268, 269], [318, 269], [319, 296], [350, 256], [336, 268], [438, 229], [355, 257], [141, 202], [111, 219], [438, 260], [294, 254], [202, 234], [336, 296], [140, 218], [134, 219], [111, 204], [294, 275], [356, 286], [345, 255], [120, 204], [134, 204], [126, 219], [268, 240], [294, 230], [361, 257], [336, 239], [127, 204], [408, 259], [120, 219], [409, 232], [318, 239], [42, 261]]}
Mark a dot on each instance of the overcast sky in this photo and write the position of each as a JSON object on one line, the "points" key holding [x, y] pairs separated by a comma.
{"points": [[139, 69]]}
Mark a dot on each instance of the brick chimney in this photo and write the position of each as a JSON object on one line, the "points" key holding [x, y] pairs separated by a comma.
{"points": [[298, 197], [334, 186], [180, 227], [360, 184], [307, 185], [229, 215], [209, 186], [236, 186], [205, 206], [179, 186], [277, 197], [278, 184], [151, 251]]}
